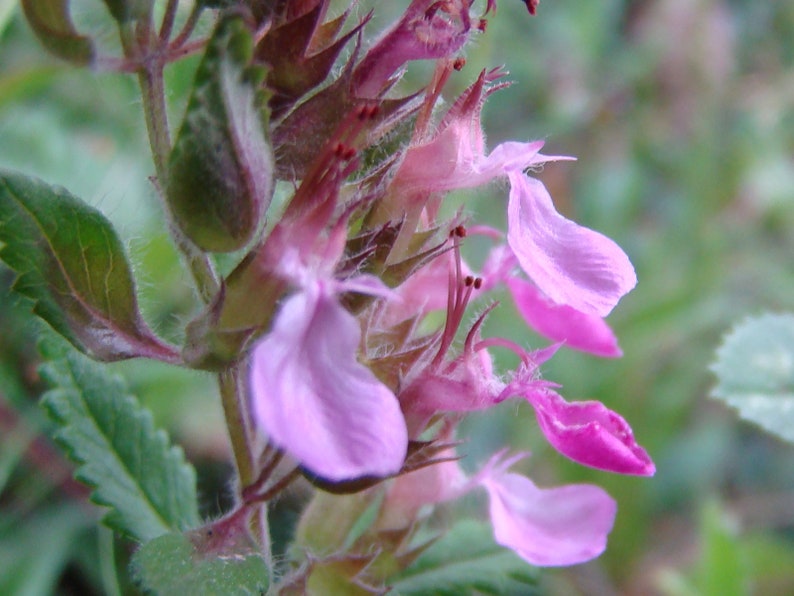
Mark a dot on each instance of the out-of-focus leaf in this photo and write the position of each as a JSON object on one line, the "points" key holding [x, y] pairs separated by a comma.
{"points": [[755, 372], [721, 568], [171, 564], [52, 24], [69, 260], [147, 483], [464, 561], [126, 10], [6, 10], [220, 179], [34, 553]]}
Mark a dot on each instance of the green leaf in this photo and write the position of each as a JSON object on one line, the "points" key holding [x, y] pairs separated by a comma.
{"points": [[466, 560], [69, 260], [34, 550], [52, 24], [220, 179], [755, 372], [722, 570], [147, 483], [171, 564], [127, 10]]}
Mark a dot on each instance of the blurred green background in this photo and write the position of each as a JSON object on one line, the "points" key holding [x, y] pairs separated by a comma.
{"points": [[681, 115]]}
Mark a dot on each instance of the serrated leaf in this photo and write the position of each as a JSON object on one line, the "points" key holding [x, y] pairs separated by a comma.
{"points": [[69, 260], [220, 179], [463, 561], [755, 372], [130, 465], [171, 565], [52, 24]]}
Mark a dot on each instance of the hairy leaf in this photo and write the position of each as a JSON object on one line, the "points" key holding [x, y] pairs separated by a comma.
{"points": [[221, 168], [171, 564], [465, 561], [130, 465], [52, 24], [755, 372], [69, 260]]}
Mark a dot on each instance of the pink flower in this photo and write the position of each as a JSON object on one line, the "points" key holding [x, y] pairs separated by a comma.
{"points": [[455, 158], [547, 527], [571, 264], [557, 322], [428, 29], [562, 323], [314, 399]]}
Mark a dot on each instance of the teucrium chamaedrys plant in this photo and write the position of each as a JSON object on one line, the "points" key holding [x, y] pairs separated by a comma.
{"points": [[328, 368]]}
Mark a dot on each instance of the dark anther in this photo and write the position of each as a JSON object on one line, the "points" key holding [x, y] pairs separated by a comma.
{"points": [[482, 25], [469, 281], [478, 283], [459, 63], [460, 231]]}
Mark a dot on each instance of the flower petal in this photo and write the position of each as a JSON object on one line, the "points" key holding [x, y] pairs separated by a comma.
{"points": [[591, 434], [561, 323], [571, 264], [549, 527], [428, 29], [315, 400]]}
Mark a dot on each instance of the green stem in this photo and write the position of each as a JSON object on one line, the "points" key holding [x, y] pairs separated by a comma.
{"points": [[150, 79], [233, 400]]}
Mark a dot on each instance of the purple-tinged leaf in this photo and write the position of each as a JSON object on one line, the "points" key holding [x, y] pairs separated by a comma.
{"points": [[69, 260]]}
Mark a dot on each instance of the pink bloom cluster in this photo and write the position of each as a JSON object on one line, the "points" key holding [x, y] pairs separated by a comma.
{"points": [[346, 380]]}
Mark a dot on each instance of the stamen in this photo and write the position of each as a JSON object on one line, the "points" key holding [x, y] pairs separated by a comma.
{"points": [[459, 64], [458, 297]]}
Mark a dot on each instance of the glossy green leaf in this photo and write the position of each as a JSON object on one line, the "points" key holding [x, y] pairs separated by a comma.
{"points": [[171, 564], [466, 561], [220, 179], [132, 468], [69, 260], [52, 24], [755, 372]]}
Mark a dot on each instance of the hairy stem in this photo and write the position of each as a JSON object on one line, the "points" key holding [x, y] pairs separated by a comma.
{"points": [[233, 400], [151, 62]]}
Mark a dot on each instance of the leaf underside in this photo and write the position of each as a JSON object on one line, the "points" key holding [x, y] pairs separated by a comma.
{"points": [[755, 372]]}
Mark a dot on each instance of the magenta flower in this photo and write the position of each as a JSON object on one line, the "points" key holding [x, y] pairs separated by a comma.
{"points": [[315, 400], [547, 527], [587, 432]]}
